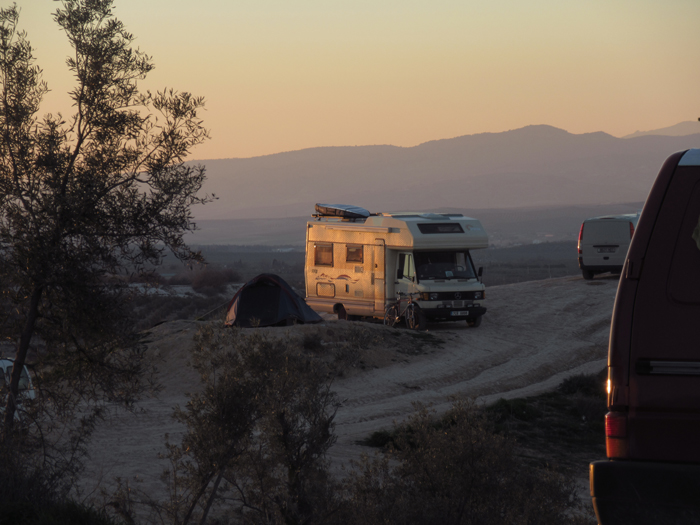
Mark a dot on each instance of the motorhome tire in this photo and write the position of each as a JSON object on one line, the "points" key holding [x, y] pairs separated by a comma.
{"points": [[422, 320], [342, 313], [474, 322], [587, 274], [391, 315]]}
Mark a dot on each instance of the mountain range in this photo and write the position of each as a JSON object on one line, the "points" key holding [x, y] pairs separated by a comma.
{"points": [[532, 167]]}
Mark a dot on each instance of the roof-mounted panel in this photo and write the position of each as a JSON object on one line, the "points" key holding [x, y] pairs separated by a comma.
{"points": [[346, 211]]}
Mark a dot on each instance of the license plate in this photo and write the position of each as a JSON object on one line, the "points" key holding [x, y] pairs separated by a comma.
{"points": [[463, 312], [606, 250]]}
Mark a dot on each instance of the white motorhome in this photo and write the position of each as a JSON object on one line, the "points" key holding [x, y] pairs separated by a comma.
{"points": [[356, 262], [603, 243]]}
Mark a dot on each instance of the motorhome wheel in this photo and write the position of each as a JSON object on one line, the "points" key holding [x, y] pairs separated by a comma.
{"points": [[587, 274], [474, 322]]}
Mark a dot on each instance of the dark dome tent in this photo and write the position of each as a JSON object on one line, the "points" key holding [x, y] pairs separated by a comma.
{"points": [[267, 300]]}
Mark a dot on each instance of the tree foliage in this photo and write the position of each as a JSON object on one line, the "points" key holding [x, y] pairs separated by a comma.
{"points": [[256, 435], [82, 199]]}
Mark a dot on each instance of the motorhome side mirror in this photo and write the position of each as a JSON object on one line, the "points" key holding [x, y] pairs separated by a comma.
{"points": [[481, 271], [399, 273]]}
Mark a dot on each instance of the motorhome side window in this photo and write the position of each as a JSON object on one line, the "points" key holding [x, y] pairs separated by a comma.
{"points": [[323, 255], [440, 227], [354, 254]]}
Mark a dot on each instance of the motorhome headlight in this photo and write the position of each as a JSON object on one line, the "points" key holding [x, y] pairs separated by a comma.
{"points": [[429, 296], [479, 295]]}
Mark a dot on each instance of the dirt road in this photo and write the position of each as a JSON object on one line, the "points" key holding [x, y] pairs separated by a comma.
{"points": [[534, 335]]}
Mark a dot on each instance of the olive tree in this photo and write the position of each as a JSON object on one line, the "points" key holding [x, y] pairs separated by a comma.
{"points": [[84, 198]]}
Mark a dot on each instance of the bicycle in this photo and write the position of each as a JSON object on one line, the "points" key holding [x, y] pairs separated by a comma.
{"points": [[414, 318]]}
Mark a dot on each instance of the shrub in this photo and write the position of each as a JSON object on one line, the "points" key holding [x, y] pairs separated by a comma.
{"points": [[256, 435], [456, 470], [503, 409]]}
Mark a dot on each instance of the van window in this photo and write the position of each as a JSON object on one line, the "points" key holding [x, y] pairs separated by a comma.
{"points": [[354, 254], [606, 231], [684, 277], [323, 255]]}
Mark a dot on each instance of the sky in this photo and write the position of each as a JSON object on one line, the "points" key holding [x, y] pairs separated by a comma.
{"points": [[283, 75]]}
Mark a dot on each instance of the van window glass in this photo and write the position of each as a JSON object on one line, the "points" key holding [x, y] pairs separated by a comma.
{"points": [[323, 255], [354, 254], [684, 277], [444, 265], [606, 232]]}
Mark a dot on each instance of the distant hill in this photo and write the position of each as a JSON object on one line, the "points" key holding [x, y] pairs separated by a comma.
{"points": [[689, 127], [505, 226], [535, 166]]}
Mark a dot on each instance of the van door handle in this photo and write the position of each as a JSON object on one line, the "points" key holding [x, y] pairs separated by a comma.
{"points": [[662, 367]]}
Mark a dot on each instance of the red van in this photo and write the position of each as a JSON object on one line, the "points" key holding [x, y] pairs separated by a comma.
{"points": [[652, 429]]}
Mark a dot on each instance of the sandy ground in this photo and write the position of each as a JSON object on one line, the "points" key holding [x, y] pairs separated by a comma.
{"points": [[534, 335]]}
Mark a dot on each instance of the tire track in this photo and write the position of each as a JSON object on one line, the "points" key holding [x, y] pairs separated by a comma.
{"points": [[534, 335]]}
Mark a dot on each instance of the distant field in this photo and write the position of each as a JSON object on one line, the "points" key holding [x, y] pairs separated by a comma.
{"points": [[531, 262]]}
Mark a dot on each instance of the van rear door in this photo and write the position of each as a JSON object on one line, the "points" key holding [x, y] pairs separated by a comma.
{"points": [[664, 359], [605, 242]]}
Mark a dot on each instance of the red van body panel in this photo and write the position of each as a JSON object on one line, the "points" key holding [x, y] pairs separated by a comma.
{"points": [[654, 363]]}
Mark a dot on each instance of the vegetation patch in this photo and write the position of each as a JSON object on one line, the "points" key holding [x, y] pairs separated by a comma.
{"points": [[562, 429]]}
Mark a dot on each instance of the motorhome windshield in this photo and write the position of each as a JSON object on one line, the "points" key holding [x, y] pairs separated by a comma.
{"points": [[444, 265]]}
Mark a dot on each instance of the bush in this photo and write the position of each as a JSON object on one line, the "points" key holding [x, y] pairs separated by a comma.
{"points": [[588, 384], [256, 435], [503, 409], [31, 495], [456, 470]]}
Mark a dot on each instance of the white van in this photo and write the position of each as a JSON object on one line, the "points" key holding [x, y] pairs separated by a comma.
{"points": [[603, 243], [26, 388], [357, 261]]}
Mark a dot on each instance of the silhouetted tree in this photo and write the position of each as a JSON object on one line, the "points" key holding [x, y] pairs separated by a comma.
{"points": [[85, 198]]}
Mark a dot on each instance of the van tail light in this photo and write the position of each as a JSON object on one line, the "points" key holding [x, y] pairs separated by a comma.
{"points": [[616, 439], [580, 236], [631, 230]]}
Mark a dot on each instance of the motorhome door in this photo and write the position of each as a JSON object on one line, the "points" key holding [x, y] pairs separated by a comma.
{"points": [[378, 277], [405, 273]]}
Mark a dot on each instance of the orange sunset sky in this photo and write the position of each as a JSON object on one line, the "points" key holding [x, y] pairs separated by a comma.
{"points": [[281, 75]]}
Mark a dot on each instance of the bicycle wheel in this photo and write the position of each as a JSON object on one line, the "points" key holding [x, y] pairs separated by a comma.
{"points": [[411, 317], [391, 315]]}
